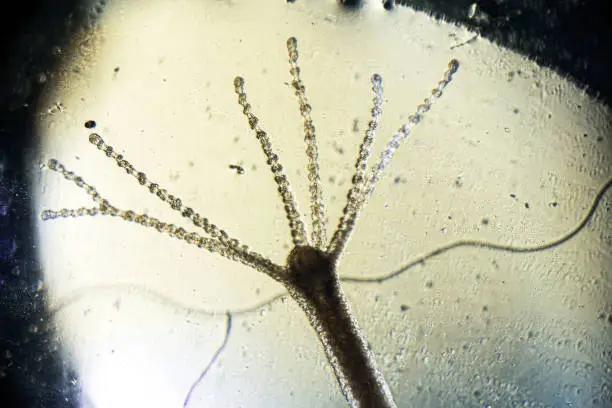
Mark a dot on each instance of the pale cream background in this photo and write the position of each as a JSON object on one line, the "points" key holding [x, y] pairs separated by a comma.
{"points": [[140, 315]]}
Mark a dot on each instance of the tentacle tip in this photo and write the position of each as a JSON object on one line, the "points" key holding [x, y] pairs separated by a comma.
{"points": [[238, 81], [291, 42], [453, 65]]}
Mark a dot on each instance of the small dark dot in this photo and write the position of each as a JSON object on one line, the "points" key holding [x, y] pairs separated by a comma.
{"points": [[599, 138], [403, 308], [585, 135], [527, 205], [554, 204], [512, 195], [116, 70], [531, 334], [477, 393], [397, 180], [429, 284], [515, 110], [450, 217], [485, 308], [610, 319], [485, 221], [239, 169], [458, 182], [579, 106], [549, 115], [90, 124]]}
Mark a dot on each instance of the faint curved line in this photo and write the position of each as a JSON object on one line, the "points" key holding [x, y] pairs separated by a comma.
{"points": [[212, 360], [159, 297], [488, 245], [166, 300]]}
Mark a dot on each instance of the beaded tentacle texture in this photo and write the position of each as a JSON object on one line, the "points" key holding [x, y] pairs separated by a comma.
{"points": [[310, 274]]}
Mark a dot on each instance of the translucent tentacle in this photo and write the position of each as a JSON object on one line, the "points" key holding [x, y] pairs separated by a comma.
{"points": [[357, 192], [317, 209], [213, 245], [345, 230], [298, 231]]}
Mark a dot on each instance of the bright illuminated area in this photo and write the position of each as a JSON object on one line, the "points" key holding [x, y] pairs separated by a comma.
{"points": [[491, 225]]}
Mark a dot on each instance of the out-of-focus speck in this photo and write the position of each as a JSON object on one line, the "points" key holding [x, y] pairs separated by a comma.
{"points": [[526, 205], [339, 149], [16, 270]]}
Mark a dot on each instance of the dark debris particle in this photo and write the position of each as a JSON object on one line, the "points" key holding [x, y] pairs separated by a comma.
{"points": [[116, 70], [554, 204], [388, 4], [485, 308], [515, 111], [485, 221], [458, 182], [429, 284], [403, 308], [239, 169], [512, 195], [90, 124], [526, 205], [599, 138]]}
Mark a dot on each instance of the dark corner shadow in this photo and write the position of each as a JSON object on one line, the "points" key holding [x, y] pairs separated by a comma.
{"points": [[33, 372]]}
